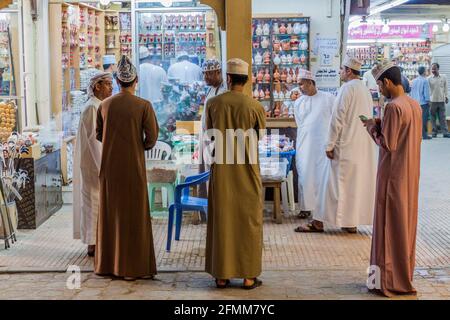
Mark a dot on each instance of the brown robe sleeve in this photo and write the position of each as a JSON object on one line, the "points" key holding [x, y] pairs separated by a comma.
{"points": [[151, 128], [260, 126], [99, 127], [386, 134]]}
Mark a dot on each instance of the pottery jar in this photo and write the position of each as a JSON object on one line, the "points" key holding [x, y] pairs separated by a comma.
{"points": [[267, 76], [284, 59], [283, 76], [259, 30], [256, 93], [276, 28], [289, 59], [276, 45], [258, 58], [276, 95], [289, 28], [295, 59], [265, 43], [297, 28], [260, 76], [304, 45], [267, 57], [305, 28], [303, 59], [261, 94], [276, 76], [277, 59], [286, 46], [282, 29], [266, 29], [267, 94]]}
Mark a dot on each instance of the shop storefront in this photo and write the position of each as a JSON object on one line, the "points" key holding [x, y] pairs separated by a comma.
{"points": [[67, 40]]}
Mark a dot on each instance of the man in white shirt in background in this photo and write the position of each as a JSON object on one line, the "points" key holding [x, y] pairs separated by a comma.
{"points": [[184, 70], [110, 65], [312, 114], [438, 100], [151, 77]]}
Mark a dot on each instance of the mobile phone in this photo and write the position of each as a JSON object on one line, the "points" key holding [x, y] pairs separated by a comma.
{"points": [[363, 118]]}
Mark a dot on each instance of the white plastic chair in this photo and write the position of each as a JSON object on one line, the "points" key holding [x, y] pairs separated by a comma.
{"points": [[161, 151]]}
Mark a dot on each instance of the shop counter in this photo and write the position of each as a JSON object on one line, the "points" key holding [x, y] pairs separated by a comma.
{"points": [[42, 195]]}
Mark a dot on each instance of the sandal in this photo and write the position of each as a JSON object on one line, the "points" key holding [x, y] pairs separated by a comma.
{"points": [[256, 283], [222, 286], [304, 215], [350, 230], [310, 227]]}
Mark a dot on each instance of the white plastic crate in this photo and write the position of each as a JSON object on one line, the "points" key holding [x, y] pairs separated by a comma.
{"points": [[273, 169]]}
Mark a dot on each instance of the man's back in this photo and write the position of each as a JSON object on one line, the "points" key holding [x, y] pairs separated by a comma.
{"points": [[150, 80]]}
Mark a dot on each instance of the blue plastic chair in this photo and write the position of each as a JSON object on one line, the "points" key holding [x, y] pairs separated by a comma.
{"points": [[183, 201]]}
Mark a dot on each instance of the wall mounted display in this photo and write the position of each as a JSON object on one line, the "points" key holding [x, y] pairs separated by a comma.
{"points": [[280, 50]]}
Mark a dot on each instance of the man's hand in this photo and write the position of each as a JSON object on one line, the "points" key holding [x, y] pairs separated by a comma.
{"points": [[446, 100], [330, 154]]}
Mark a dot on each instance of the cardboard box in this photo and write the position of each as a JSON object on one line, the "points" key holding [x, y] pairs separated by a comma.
{"points": [[35, 152]]}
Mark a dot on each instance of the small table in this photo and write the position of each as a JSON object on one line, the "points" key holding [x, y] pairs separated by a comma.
{"points": [[276, 185]]}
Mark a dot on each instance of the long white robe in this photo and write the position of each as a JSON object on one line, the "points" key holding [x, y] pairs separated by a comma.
{"points": [[185, 71], [348, 197], [150, 79], [312, 115], [86, 188]]}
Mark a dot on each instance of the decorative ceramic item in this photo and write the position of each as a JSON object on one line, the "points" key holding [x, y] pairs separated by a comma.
{"points": [[258, 58], [260, 76], [295, 59], [289, 79], [282, 96], [256, 93], [276, 28], [305, 28], [276, 95], [261, 94], [276, 45], [256, 45], [276, 111], [289, 59], [265, 43], [259, 30], [267, 76], [266, 29], [276, 76], [282, 29], [286, 45], [254, 78], [284, 59], [266, 57], [267, 94], [283, 76], [304, 45], [277, 59], [289, 28], [297, 28], [294, 43], [303, 59]]}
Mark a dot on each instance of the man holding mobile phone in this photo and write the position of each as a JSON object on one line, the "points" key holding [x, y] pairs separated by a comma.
{"points": [[399, 136]]}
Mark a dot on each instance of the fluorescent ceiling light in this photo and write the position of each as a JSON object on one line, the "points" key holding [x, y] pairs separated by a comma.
{"points": [[382, 41], [445, 27], [435, 28], [381, 8]]}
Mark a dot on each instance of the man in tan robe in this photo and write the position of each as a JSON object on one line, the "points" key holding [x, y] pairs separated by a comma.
{"points": [[126, 126], [235, 217], [399, 136]]}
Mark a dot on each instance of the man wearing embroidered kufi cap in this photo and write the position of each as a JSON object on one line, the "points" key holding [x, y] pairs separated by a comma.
{"points": [[212, 74], [87, 157], [349, 194], [126, 127], [398, 135], [235, 220], [312, 114]]}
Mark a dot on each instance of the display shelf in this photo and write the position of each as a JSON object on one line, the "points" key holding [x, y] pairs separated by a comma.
{"points": [[280, 50]]}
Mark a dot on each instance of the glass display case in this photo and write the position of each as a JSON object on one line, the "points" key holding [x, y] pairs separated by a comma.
{"points": [[172, 45], [280, 50]]}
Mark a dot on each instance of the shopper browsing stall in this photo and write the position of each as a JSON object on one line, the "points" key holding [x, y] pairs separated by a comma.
{"points": [[349, 194], [184, 70], [438, 100], [312, 114], [151, 76], [109, 65], [420, 91], [126, 126], [396, 208], [235, 218], [87, 157]]}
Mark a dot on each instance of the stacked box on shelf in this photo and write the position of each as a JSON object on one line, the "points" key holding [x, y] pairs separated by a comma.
{"points": [[166, 34], [280, 51], [126, 41]]}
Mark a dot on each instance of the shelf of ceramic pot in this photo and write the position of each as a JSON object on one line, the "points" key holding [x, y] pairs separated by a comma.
{"points": [[285, 36], [189, 31], [264, 83], [292, 50], [261, 65]]}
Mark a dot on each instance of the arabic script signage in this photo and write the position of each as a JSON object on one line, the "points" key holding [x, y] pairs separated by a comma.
{"points": [[375, 31]]}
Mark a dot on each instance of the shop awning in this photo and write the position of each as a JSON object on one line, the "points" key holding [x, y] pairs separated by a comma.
{"points": [[5, 3]]}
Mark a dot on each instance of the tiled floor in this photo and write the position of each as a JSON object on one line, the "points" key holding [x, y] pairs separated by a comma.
{"points": [[331, 265]]}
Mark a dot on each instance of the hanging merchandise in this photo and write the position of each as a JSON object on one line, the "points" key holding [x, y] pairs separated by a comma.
{"points": [[280, 50]]}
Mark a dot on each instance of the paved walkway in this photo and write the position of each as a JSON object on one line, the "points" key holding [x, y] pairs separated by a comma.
{"points": [[329, 265]]}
